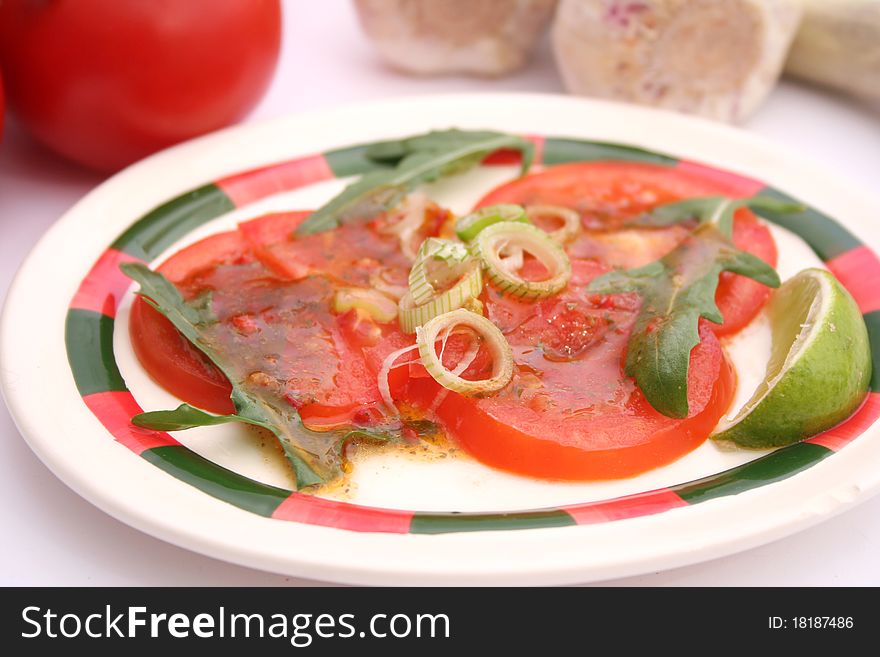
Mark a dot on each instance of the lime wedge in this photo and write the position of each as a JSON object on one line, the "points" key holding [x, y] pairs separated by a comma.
{"points": [[819, 368]]}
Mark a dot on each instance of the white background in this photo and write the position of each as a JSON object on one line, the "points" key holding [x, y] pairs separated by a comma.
{"points": [[53, 537]]}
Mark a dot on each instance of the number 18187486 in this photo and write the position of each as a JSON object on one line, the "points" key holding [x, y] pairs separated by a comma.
{"points": [[810, 622]]}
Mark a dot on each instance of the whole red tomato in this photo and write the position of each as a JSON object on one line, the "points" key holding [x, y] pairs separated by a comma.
{"points": [[106, 82], [1, 105]]}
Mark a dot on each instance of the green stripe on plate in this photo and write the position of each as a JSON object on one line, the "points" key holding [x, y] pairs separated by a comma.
{"points": [[164, 225], [872, 321], [217, 481], [560, 151], [781, 464], [443, 523], [351, 161], [824, 235], [89, 339]]}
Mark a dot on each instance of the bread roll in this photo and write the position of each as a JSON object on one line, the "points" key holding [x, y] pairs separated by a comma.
{"points": [[480, 37], [716, 58], [838, 45]]}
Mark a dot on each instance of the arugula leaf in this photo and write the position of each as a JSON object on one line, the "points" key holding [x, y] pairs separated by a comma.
{"points": [[188, 417], [181, 418], [411, 162], [676, 291], [711, 209], [680, 288], [315, 455]]}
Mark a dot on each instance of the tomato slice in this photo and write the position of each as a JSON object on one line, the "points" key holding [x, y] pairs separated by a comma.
{"points": [[267, 238], [272, 295], [347, 255], [172, 361], [739, 298], [221, 249], [607, 194], [546, 435], [570, 412]]}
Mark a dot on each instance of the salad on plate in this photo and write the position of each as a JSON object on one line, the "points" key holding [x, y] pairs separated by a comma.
{"points": [[574, 325]]}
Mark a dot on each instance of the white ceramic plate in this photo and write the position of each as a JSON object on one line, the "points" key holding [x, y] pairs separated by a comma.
{"points": [[482, 526]]}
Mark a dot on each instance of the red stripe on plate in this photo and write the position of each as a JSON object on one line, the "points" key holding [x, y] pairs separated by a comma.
{"points": [[631, 506], [848, 430], [510, 156], [115, 410], [733, 184], [329, 513], [253, 185], [859, 271], [104, 285]]}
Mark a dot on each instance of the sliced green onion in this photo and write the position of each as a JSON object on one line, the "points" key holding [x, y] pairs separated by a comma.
{"points": [[469, 357], [509, 236], [502, 355], [474, 305], [470, 225], [512, 259], [412, 315], [374, 303], [385, 370], [380, 283], [423, 277], [412, 215], [571, 220]]}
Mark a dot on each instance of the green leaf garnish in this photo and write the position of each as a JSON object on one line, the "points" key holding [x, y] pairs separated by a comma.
{"points": [[188, 417], [718, 210], [680, 288], [181, 418], [409, 163], [316, 456]]}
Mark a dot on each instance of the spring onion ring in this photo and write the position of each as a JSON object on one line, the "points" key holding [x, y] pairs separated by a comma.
{"points": [[571, 220], [385, 370], [469, 357], [470, 225], [509, 235], [435, 251], [474, 305], [374, 303], [381, 284], [413, 315], [502, 355], [412, 211], [512, 259]]}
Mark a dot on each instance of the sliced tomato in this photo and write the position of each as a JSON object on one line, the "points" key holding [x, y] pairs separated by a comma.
{"points": [[348, 255], [540, 431], [226, 248], [264, 235], [607, 194], [739, 298], [570, 412], [282, 331], [168, 357], [174, 363]]}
